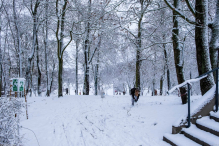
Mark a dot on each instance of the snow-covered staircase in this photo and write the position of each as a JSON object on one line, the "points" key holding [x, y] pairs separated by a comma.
{"points": [[204, 132]]}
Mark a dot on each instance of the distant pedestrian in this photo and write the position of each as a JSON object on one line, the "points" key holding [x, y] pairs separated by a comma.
{"points": [[66, 91], [102, 93], [135, 93]]}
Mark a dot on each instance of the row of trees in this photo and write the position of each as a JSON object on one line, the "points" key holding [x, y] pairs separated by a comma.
{"points": [[141, 43]]}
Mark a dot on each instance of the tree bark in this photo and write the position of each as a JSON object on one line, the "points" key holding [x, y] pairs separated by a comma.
{"points": [[86, 69], [1, 56], [60, 77], [137, 71], [28, 70], [201, 41], [38, 68], [138, 50], [17, 38], [167, 68], [51, 79], [60, 13], [97, 67], [76, 70], [46, 49], [86, 53], [213, 44], [178, 53], [161, 85]]}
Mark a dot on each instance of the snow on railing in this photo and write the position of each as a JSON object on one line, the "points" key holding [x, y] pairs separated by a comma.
{"points": [[185, 83]]}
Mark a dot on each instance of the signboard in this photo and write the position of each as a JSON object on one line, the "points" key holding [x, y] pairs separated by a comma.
{"points": [[14, 85], [21, 85], [18, 84]]}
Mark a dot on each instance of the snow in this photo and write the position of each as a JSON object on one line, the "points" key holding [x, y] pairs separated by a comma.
{"points": [[93, 121], [210, 123], [180, 140], [214, 114], [206, 137]]}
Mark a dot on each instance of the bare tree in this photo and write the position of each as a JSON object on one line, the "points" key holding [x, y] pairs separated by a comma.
{"points": [[201, 39], [60, 14]]}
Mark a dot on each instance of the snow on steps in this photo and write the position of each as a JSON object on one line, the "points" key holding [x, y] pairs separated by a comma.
{"points": [[205, 132], [214, 116], [208, 125], [179, 140], [200, 136]]}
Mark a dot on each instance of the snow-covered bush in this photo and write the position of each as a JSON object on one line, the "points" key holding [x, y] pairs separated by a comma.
{"points": [[9, 120]]}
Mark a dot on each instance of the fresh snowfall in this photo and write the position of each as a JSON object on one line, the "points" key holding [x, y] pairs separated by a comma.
{"points": [[79, 120]]}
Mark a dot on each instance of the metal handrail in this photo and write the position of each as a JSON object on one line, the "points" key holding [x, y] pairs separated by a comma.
{"points": [[188, 85], [208, 72]]}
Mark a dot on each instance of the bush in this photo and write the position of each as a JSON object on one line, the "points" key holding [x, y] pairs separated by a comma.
{"points": [[10, 109]]}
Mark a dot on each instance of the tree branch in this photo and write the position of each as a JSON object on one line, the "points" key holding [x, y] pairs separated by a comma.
{"points": [[179, 13], [190, 7], [67, 44], [157, 44]]}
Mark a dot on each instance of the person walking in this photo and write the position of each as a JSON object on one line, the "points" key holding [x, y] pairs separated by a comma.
{"points": [[66, 91], [135, 93]]}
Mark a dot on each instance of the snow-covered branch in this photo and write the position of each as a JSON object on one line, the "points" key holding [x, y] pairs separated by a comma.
{"points": [[179, 13]]}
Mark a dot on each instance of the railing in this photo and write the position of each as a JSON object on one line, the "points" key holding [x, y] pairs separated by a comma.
{"points": [[187, 82]]}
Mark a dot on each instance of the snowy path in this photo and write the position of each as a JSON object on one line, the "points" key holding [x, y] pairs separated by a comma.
{"points": [[92, 121]]}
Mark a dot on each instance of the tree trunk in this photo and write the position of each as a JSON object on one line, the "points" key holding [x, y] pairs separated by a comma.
{"points": [[168, 71], [213, 45], [96, 78], [46, 47], [97, 67], [138, 51], [51, 79], [137, 72], [28, 71], [1, 56], [201, 41], [86, 71], [165, 66], [86, 53], [17, 38], [161, 85], [38, 68], [178, 54], [76, 72], [60, 40], [60, 77], [168, 79], [153, 87]]}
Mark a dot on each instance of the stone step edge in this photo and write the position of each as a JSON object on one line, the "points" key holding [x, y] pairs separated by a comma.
{"points": [[195, 139], [204, 128], [215, 118], [168, 141]]}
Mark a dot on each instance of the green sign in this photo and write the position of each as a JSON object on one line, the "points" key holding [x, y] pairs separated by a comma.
{"points": [[15, 84], [21, 87]]}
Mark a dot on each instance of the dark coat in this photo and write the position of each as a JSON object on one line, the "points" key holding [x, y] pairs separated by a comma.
{"points": [[133, 94]]}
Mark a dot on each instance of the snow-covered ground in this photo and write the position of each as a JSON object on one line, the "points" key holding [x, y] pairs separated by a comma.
{"points": [[92, 121]]}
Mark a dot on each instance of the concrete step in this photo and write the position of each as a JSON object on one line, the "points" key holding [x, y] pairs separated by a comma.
{"points": [[214, 116], [179, 140], [208, 125], [200, 136]]}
